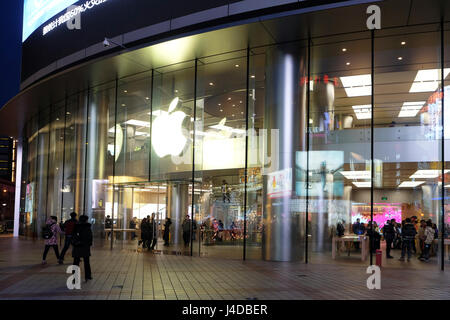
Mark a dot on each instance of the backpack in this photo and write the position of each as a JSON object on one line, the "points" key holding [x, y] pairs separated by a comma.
{"points": [[340, 230], [47, 232]]}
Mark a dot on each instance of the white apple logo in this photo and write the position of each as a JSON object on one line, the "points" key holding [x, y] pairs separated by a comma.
{"points": [[167, 132]]}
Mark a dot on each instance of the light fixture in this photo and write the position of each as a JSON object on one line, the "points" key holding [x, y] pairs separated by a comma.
{"points": [[363, 184], [252, 76], [357, 86], [147, 98], [410, 109], [348, 63], [234, 105], [400, 58], [356, 174], [125, 91], [410, 184], [138, 123], [211, 83], [427, 80], [403, 43], [124, 105], [344, 49], [427, 174], [176, 91], [363, 111], [219, 104], [229, 99], [236, 65], [221, 110]]}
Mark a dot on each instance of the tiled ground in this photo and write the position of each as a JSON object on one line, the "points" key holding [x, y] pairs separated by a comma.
{"points": [[127, 274]]}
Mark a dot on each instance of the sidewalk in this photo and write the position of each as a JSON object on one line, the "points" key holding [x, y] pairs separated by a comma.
{"points": [[126, 274]]}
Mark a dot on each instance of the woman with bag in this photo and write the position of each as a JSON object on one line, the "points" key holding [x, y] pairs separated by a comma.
{"points": [[50, 234]]}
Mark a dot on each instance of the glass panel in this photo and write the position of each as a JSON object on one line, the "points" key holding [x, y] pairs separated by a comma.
{"points": [[74, 155], [55, 172], [220, 131], [100, 157], [407, 146], [444, 223], [339, 160], [171, 152], [42, 170], [133, 129]]}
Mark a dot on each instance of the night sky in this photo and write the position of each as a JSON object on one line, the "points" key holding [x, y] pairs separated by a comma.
{"points": [[11, 41]]}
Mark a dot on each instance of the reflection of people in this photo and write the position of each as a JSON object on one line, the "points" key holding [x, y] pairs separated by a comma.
{"points": [[340, 228], [166, 234], [358, 229], [225, 191], [133, 223], [186, 226], [108, 224], [153, 236], [233, 228]]}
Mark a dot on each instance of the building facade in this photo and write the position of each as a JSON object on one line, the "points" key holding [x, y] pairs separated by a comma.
{"points": [[257, 128]]}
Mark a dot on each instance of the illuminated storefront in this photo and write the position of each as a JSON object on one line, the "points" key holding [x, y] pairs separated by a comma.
{"points": [[267, 148]]}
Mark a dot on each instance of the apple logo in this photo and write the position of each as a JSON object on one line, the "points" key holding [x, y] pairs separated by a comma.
{"points": [[167, 132]]}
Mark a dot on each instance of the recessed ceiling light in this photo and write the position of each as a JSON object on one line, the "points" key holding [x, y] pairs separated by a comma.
{"points": [[428, 80], [242, 112], [124, 105], [348, 63], [125, 91], [176, 91], [219, 104], [240, 101], [233, 115], [252, 76], [236, 65], [363, 111], [234, 105], [211, 83], [357, 86], [403, 43], [400, 58], [344, 49], [221, 110], [229, 99], [410, 109], [147, 98]]}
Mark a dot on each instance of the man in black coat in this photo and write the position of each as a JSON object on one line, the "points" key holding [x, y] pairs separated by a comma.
{"points": [[389, 236], [82, 242]]}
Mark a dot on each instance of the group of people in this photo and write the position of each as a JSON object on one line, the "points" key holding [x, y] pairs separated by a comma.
{"points": [[399, 236], [77, 233]]}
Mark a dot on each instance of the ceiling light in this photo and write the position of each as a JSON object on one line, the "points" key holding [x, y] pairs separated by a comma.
{"points": [[124, 105], [344, 49], [147, 98], [356, 174], [252, 76], [236, 65], [428, 80], [211, 84], [229, 99], [140, 133], [410, 184], [357, 86], [427, 174], [348, 63], [221, 110], [410, 109], [176, 91], [400, 58], [403, 43], [138, 123], [125, 91], [363, 111], [219, 104], [363, 184]]}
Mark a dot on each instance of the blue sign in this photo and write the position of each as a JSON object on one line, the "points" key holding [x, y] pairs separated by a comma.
{"points": [[37, 12]]}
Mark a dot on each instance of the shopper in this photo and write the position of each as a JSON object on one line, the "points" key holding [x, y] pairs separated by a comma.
{"points": [[398, 236], [82, 242], [358, 229], [408, 235], [133, 224], [108, 225], [68, 228], [389, 236], [421, 236], [153, 235], [225, 191], [186, 226], [166, 234], [428, 241], [145, 233], [50, 234], [416, 226]]}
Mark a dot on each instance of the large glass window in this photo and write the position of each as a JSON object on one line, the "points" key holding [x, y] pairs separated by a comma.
{"points": [[407, 141]]}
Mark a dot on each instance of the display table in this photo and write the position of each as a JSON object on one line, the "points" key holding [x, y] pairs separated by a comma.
{"points": [[363, 240], [446, 245]]}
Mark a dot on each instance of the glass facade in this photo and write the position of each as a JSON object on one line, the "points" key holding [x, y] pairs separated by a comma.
{"points": [[298, 151]]}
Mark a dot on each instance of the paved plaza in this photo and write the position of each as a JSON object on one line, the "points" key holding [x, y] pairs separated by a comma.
{"points": [[125, 274]]}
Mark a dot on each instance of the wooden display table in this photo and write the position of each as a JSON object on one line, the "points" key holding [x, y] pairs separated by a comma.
{"points": [[363, 240]]}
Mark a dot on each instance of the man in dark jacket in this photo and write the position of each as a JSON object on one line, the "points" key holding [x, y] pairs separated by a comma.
{"points": [[389, 236], [68, 228], [358, 229], [82, 242], [153, 235], [408, 235]]}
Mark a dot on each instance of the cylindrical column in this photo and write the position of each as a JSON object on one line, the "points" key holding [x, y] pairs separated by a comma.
{"points": [[285, 122], [177, 208]]}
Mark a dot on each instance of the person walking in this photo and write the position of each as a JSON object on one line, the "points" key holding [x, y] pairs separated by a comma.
{"points": [[133, 224], [166, 234], [82, 242], [108, 225], [389, 236], [50, 234], [68, 228], [144, 233], [408, 235], [153, 234], [186, 226], [428, 241]]}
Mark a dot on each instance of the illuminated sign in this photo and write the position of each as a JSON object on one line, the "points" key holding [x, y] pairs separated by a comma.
{"points": [[71, 14], [37, 12]]}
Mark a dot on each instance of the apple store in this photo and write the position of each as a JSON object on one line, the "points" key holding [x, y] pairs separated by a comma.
{"points": [[260, 149]]}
